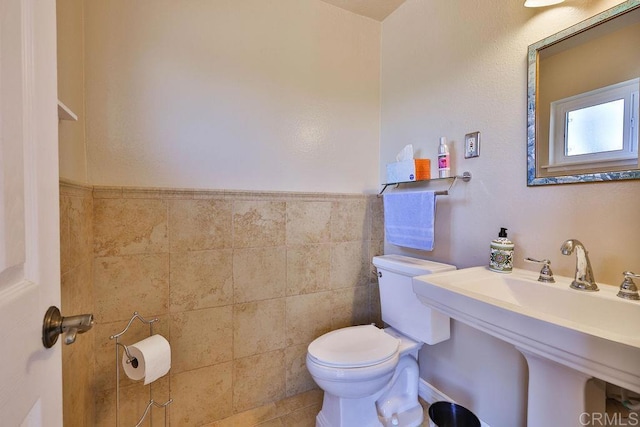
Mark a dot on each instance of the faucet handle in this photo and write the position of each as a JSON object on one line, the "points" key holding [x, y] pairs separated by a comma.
{"points": [[546, 275], [628, 289]]}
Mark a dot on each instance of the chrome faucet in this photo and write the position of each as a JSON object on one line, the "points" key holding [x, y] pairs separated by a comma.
{"points": [[628, 289], [584, 280]]}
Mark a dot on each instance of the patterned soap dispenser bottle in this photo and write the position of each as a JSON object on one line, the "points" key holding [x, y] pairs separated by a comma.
{"points": [[501, 259]]}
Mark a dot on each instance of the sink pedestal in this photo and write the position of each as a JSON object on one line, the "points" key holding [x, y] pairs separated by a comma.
{"points": [[559, 395]]}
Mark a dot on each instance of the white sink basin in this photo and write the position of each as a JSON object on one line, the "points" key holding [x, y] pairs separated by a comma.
{"points": [[595, 333]]}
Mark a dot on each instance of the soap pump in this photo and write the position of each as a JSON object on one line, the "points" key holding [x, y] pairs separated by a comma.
{"points": [[501, 259]]}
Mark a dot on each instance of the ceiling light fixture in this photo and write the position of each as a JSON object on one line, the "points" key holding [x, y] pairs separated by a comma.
{"points": [[541, 3]]}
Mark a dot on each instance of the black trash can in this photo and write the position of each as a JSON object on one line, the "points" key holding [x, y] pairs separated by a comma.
{"points": [[448, 414]]}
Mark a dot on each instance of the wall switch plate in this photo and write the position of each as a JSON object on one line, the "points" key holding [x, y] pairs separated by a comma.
{"points": [[472, 145]]}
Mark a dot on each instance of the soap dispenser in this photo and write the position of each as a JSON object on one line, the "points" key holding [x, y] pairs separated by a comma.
{"points": [[501, 259]]}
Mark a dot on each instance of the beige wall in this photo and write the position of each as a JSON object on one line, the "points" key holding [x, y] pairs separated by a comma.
{"points": [[250, 95], [71, 138], [450, 68], [77, 296], [241, 282]]}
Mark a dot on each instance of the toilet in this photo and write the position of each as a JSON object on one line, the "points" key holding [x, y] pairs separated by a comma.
{"points": [[370, 375]]}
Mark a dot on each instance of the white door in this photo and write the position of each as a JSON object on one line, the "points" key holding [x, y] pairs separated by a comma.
{"points": [[30, 375]]}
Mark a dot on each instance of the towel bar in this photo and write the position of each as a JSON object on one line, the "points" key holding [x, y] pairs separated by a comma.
{"points": [[466, 177]]}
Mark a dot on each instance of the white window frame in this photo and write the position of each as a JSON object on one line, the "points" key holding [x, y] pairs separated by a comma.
{"points": [[627, 156]]}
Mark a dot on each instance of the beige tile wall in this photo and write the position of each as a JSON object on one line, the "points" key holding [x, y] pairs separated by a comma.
{"points": [[76, 247], [241, 283]]}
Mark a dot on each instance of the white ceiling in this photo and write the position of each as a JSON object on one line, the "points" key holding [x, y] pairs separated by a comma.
{"points": [[374, 9]]}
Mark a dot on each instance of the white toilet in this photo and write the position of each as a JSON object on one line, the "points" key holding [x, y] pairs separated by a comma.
{"points": [[370, 375]]}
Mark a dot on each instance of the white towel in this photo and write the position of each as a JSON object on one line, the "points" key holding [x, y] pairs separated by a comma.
{"points": [[409, 219]]}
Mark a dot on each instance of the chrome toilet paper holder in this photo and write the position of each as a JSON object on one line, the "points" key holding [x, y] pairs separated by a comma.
{"points": [[134, 363]]}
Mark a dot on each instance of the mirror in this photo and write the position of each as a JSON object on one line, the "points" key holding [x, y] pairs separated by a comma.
{"points": [[583, 101]]}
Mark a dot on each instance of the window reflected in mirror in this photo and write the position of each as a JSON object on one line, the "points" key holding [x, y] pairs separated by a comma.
{"points": [[595, 130]]}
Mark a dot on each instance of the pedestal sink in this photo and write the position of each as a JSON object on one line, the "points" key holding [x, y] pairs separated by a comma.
{"points": [[567, 336]]}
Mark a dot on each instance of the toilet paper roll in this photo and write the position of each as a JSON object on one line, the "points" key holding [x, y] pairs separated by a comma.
{"points": [[152, 359]]}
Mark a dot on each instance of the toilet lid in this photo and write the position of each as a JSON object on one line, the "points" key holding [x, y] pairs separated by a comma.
{"points": [[354, 346]]}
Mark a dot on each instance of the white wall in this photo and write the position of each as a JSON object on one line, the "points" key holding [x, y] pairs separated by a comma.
{"points": [[72, 151], [457, 66], [228, 94]]}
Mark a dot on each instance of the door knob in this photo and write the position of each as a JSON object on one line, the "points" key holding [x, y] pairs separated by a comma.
{"points": [[54, 324]]}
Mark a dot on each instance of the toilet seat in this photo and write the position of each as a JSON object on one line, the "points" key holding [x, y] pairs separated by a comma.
{"points": [[354, 347]]}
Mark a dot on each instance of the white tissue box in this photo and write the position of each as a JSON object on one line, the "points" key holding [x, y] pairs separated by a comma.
{"points": [[409, 170]]}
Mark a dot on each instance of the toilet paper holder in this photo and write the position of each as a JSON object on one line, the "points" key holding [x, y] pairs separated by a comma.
{"points": [[130, 358], [134, 362]]}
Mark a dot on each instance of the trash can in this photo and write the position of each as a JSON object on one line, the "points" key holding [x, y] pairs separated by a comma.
{"points": [[448, 414]]}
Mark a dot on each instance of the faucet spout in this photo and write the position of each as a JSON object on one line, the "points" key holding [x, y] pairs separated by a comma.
{"points": [[584, 279]]}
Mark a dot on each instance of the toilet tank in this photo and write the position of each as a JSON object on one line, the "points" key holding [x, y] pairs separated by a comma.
{"points": [[401, 308]]}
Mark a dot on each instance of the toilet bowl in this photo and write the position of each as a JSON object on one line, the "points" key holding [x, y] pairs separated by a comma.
{"points": [[370, 375]]}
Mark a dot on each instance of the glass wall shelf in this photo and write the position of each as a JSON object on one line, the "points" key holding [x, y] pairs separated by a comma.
{"points": [[466, 177]]}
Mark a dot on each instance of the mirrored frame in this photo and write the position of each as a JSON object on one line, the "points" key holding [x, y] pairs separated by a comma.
{"points": [[533, 178]]}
